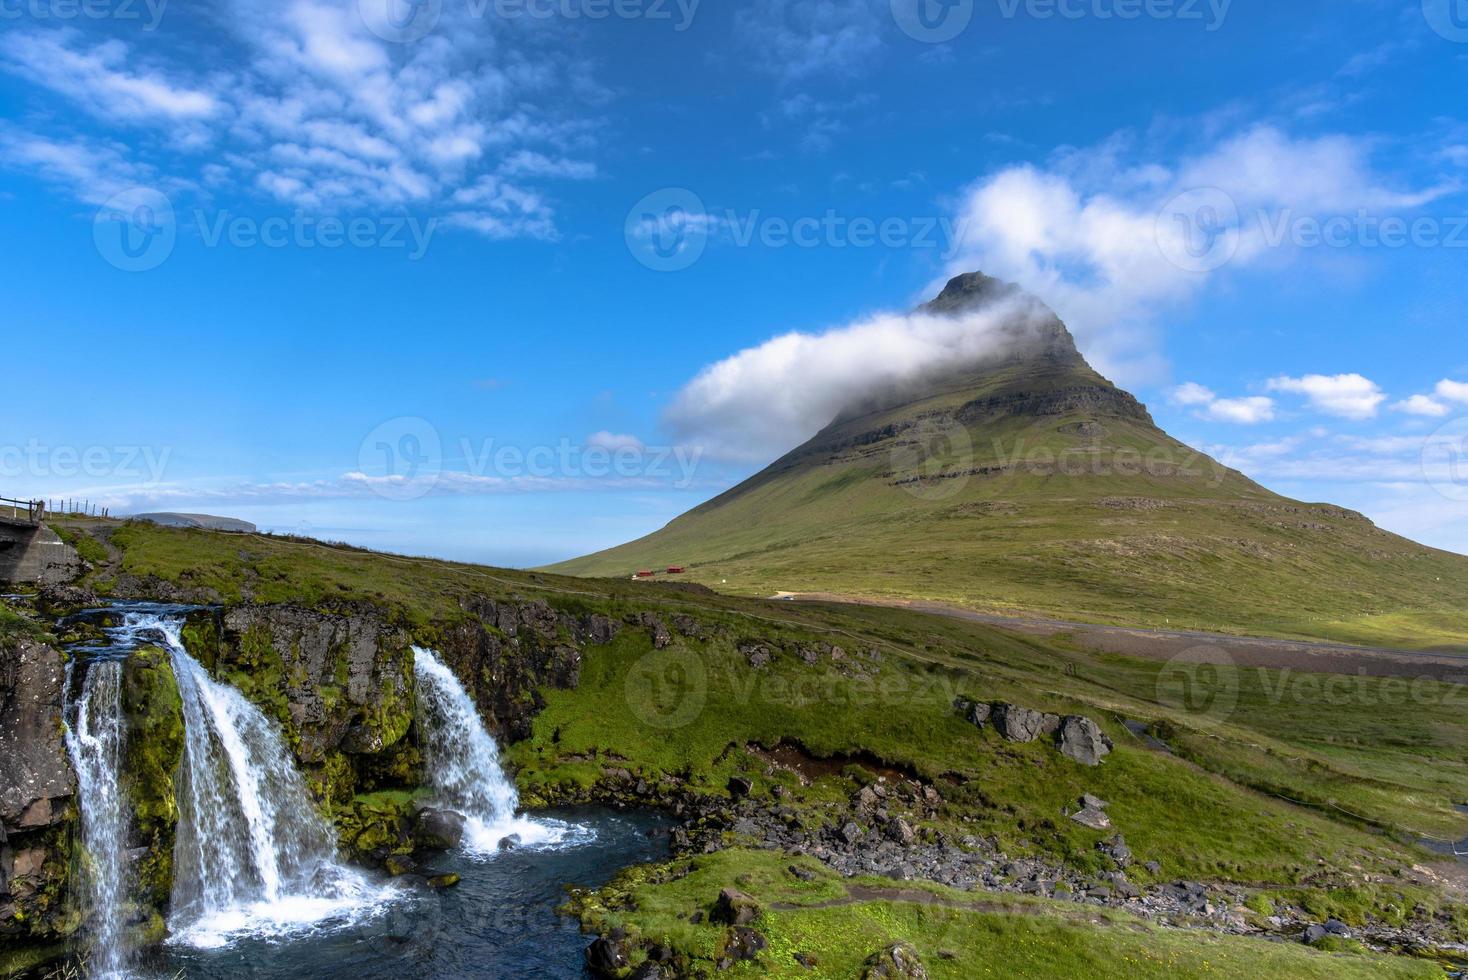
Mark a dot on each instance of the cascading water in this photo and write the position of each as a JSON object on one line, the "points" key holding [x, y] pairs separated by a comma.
{"points": [[252, 855], [462, 765], [94, 740]]}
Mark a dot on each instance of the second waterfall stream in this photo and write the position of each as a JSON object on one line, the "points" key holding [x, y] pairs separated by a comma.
{"points": [[462, 766]]}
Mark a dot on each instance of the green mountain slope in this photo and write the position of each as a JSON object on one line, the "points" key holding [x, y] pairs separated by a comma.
{"points": [[1032, 484]]}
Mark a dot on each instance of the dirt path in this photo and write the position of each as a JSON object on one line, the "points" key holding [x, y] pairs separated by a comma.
{"points": [[1244, 651]]}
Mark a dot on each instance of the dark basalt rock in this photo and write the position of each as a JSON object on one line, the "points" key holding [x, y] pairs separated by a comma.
{"points": [[607, 957], [439, 830]]}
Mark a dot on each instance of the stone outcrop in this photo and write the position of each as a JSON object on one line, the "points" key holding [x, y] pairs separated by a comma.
{"points": [[37, 792], [1076, 736], [900, 961]]}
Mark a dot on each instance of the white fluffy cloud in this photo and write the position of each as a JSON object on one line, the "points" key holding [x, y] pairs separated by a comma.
{"points": [[1421, 405], [1249, 410], [1093, 232], [1245, 411], [1453, 391], [768, 399], [1348, 396]]}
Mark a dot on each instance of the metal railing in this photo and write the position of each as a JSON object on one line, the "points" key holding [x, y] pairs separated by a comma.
{"points": [[27, 511]]}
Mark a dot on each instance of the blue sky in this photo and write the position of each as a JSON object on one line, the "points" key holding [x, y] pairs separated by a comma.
{"points": [[506, 280]]}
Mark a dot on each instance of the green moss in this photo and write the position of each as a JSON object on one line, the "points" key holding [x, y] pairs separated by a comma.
{"points": [[258, 671], [374, 825], [200, 635], [154, 750]]}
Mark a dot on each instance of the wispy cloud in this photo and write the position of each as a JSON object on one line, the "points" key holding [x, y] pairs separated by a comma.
{"points": [[313, 110]]}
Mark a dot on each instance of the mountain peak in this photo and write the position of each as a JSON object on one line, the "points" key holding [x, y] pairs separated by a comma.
{"points": [[969, 290], [1036, 331]]}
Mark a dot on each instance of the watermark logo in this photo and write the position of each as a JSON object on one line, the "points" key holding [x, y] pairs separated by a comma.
{"points": [[410, 926], [668, 230], [402, 458], [400, 21], [1449, 18], [1445, 460], [135, 230], [933, 21], [1198, 230], [1202, 681], [667, 689], [932, 461]]}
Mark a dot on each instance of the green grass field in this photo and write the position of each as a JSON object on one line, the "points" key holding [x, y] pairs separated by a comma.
{"points": [[1306, 797], [958, 935]]}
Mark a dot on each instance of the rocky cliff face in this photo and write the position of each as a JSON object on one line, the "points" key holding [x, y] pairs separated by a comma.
{"points": [[37, 790]]}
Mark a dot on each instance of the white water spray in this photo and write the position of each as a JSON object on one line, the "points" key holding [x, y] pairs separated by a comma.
{"points": [[462, 766], [94, 737]]}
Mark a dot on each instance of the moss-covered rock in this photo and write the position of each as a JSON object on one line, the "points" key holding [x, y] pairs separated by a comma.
{"points": [[375, 826], [153, 752]]}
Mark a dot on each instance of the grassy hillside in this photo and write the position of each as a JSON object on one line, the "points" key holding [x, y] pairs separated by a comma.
{"points": [[1302, 799], [1038, 487]]}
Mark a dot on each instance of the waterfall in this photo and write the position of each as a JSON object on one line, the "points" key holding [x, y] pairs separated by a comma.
{"points": [[252, 855], [462, 765], [94, 737]]}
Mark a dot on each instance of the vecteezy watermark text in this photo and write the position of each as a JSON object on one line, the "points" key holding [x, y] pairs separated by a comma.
{"points": [[148, 12], [406, 21], [669, 230], [403, 459], [37, 460], [937, 21], [1203, 229], [137, 230], [302, 230]]}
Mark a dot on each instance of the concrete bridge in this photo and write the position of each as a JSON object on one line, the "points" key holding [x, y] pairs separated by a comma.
{"points": [[30, 552]]}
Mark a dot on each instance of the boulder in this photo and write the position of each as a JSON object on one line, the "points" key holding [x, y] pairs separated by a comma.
{"points": [[1022, 724], [439, 830], [1313, 934], [447, 880], [398, 865], [900, 961], [607, 957], [901, 831], [1092, 817], [735, 908], [757, 654], [740, 786], [1083, 740]]}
